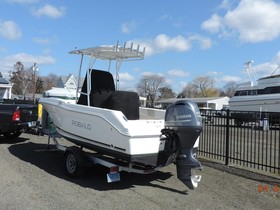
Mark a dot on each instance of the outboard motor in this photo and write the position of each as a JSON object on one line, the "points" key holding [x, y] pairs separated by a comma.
{"points": [[183, 125]]}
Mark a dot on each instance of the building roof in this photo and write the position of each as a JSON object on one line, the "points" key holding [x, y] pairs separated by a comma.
{"points": [[64, 79], [3, 80]]}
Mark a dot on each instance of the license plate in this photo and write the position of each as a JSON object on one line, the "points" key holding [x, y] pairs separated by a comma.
{"points": [[113, 177], [32, 124]]}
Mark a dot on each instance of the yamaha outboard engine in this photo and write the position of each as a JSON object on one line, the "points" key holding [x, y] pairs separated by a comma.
{"points": [[183, 125]]}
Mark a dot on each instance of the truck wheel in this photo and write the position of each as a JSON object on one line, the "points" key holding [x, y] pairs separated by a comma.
{"points": [[74, 157], [12, 135]]}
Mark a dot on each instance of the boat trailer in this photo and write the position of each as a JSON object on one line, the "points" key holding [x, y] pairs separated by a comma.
{"points": [[76, 159]]}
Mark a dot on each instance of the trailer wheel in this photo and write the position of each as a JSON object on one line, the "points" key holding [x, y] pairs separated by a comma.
{"points": [[74, 157]]}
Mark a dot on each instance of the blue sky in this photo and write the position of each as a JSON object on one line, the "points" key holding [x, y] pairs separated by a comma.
{"points": [[184, 39]]}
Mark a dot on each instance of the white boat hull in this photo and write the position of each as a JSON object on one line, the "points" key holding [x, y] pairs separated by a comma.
{"points": [[105, 129], [106, 120], [267, 103]]}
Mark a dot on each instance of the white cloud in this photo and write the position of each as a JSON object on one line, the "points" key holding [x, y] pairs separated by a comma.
{"points": [[163, 43], [7, 63], [256, 71], [169, 81], [149, 48], [223, 80], [47, 51], [179, 43], [253, 21], [214, 73], [227, 79], [226, 4], [214, 24], [41, 40], [10, 30], [125, 76], [126, 81], [128, 27], [267, 68], [204, 43], [49, 11], [220, 78], [147, 73], [263, 69], [178, 73]]}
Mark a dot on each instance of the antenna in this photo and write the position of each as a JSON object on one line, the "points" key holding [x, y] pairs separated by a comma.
{"points": [[275, 70], [247, 66]]}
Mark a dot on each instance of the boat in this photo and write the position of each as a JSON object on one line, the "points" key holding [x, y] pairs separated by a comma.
{"points": [[261, 94], [110, 122], [67, 94]]}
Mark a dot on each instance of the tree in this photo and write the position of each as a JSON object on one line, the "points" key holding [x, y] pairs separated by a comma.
{"points": [[149, 86], [203, 86], [39, 86], [50, 81], [189, 91], [21, 79], [166, 92], [229, 88], [181, 95]]}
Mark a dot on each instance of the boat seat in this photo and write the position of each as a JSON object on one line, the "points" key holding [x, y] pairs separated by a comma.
{"points": [[104, 95], [125, 101], [100, 81]]}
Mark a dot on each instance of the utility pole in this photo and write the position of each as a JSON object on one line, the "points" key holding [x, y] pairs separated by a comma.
{"points": [[34, 69]]}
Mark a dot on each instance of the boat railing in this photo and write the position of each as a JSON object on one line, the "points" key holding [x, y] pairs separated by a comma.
{"points": [[110, 53]]}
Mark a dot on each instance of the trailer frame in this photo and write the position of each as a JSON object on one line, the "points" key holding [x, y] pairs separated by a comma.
{"points": [[76, 159]]}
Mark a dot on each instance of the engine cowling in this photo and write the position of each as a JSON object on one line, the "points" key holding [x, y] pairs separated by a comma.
{"points": [[183, 126]]}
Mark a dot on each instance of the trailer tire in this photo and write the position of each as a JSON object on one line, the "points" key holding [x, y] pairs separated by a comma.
{"points": [[74, 162]]}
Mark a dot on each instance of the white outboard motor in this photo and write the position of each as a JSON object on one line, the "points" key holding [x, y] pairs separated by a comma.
{"points": [[183, 125]]}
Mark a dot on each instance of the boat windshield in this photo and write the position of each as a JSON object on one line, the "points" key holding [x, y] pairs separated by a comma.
{"points": [[246, 92], [264, 91]]}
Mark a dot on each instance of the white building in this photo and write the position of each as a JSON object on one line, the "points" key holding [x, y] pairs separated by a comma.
{"points": [[5, 88], [69, 82], [66, 88], [215, 103]]}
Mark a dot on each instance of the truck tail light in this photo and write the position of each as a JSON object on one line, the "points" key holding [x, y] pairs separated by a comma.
{"points": [[16, 115]]}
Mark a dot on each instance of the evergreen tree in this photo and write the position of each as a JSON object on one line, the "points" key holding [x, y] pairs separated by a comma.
{"points": [[21, 79], [39, 86]]}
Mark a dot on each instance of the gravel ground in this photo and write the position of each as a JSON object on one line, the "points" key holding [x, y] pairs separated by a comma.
{"points": [[34, 178]]}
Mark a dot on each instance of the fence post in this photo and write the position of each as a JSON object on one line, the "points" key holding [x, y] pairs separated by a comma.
{"points": [[227, 137]]}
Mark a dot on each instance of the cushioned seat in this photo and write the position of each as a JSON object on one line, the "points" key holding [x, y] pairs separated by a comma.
{"points": [[103, 95], [101, 82]]}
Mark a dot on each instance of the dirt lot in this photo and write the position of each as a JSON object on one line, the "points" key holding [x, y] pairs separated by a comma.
{"points": [[34, 178]]}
